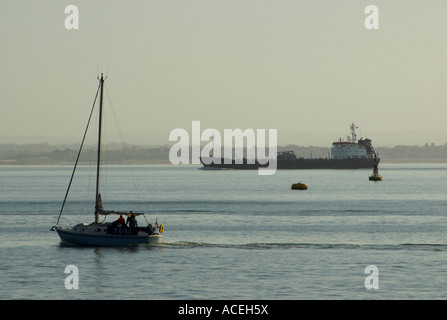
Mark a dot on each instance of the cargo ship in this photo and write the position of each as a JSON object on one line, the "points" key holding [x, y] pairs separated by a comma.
{"points": [[348, 154]]}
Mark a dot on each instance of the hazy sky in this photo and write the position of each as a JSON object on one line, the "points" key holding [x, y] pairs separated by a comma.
{"points": [[306, 68]]}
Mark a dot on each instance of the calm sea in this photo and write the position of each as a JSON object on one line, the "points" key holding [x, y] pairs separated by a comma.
{"points": [[231, 234]]}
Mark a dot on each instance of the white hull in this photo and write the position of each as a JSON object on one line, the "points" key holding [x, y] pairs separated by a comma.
{"points": [[95, 235]]}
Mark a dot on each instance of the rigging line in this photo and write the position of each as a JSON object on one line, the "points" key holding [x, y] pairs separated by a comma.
{"points": [[125, 148], [77, 158]]}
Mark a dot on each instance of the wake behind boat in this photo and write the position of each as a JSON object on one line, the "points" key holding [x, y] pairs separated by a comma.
{"points": [[118, 232]]}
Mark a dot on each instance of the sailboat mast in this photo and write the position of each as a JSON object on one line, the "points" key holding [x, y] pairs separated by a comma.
{"points": [[97, 206]]}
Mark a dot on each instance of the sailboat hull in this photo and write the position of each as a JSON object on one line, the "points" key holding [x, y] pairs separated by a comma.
{"points": [[93, 236]]}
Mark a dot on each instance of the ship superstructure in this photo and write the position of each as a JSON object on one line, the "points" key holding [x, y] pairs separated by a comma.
{"points": [[351, 148]]}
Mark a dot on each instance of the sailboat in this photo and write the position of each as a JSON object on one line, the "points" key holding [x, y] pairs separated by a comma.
{"points": [[116, 233]]}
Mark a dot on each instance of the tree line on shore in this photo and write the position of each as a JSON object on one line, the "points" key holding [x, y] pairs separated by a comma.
{"points": [[45, 153]]}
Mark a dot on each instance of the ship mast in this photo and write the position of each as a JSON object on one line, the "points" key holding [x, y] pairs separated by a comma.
{"points": [[353, 134], [98, 203]]}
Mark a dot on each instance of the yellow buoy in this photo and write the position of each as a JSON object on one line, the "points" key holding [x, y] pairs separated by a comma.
{"points": [[375, 177], [299, 186]]}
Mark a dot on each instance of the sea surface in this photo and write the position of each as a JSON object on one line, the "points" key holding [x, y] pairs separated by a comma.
{"points": [[231, 234]]}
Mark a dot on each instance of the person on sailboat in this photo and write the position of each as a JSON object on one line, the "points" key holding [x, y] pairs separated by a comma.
{"points": [[120, 222], [132, 222]]}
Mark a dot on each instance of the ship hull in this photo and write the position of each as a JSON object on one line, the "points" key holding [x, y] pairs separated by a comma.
{"points": [[301, 164]]}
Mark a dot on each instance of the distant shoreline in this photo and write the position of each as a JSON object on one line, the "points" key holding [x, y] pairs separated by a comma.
{"points": [[47, 154], [142, 163]]}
